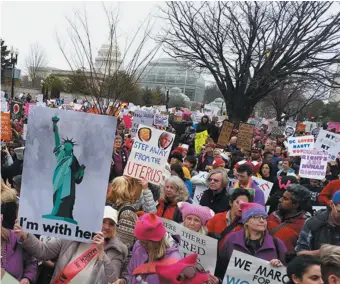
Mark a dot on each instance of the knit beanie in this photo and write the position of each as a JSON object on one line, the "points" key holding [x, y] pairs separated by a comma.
{"points": [[336, 197], [217, 162], [149, 227], [168, 273], [202, 212], [251, 209]]}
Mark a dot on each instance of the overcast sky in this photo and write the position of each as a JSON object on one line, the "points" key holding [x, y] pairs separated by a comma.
{"points": [[27, 22]]}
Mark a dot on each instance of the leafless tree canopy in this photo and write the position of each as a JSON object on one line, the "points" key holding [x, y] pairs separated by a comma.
{"points": [[251, 48], [117, 75], [35, 60]]}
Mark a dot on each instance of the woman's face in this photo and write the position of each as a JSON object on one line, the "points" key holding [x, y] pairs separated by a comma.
{"points": [[192, 222], [170, 191], [311, 276], [108, 228], [235, 206], [217, 154], [278, 151], [257, 223], [265, 170]]}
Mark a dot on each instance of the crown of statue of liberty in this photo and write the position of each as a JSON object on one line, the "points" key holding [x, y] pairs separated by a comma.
{"points": [[67, 140]]}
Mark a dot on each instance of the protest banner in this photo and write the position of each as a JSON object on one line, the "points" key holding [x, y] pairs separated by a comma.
{"points": [[328, 142], [127, 121], [193, 242], [313, 164], [16, 110], [225, 133], [297, 144], [200, 188], [149, 154], [73, 166], [6, 128], [245, 136], [161, 120], [200, 139], [141, 117], [333, 125], [246, 269]]}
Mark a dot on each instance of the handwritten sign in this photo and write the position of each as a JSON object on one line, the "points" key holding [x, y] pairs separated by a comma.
{"points": [[193, 242], [141, 117], [245, 136], [161, 120], [313, 164], [149, 154], [296, 145], [6, 129], [200, 139], [328, 142], [265, 185], [247, 269], [200, 188], [333, 125], [226, 131]]}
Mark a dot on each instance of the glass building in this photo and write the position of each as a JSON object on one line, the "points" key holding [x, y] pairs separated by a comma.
{"points": [[168, 73]]}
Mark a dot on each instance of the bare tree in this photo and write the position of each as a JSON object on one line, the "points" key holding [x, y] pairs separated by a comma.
{"points": [[251, 48], [35, 61], [114, 76]]}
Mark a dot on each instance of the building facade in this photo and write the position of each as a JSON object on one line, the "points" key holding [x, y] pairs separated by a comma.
{"points": [[168, 73]]}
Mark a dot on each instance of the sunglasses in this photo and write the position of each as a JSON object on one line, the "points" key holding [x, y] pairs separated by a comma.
{"points": [[213, 179], [190, 272]]}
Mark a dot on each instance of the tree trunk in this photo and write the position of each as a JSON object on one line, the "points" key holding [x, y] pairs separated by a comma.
{"points": [[238, 110]]}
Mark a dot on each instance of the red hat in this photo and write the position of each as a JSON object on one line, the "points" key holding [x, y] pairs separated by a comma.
{"points": [[217, 162], [168, 273], [149, 227]]}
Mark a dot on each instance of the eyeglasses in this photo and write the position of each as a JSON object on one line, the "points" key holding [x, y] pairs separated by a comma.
{"points": [[213, 179], [189, 272], [259, 217]]}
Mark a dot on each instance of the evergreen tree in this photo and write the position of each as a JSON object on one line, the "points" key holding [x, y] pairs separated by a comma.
{"points": [[5, 62]]}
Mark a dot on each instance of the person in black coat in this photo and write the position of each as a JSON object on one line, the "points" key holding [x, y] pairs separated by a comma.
{"points": [[203, 125]]}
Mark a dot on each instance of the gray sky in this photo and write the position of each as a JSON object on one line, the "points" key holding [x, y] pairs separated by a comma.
{"points": [[26, 22]]}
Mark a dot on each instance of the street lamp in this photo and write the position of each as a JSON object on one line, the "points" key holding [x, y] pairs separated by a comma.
{"points": [[14, 60]]}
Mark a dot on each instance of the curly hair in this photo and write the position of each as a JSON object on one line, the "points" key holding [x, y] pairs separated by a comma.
{"points": [[181, 190], [120, 192]]}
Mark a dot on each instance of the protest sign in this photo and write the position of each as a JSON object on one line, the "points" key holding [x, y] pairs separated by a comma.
{"points": [[193, 242], [225, 133], [200, 188], [297, 144], [16, 110], [7, 278], [200, 139], [313, 164], [265, 185], [161, 120], [289, 131], [141, 117], [247, 269], [328, 142], [4, 104], [63, 147], [277, 130], [333, 125], [310, 125], [27, 108], [6, 128], [127, 121], [300, 127], [315, 132], [24, 134], [149, 154], [245, 136], [40, 98]]}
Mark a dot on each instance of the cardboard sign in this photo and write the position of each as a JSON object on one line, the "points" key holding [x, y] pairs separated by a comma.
{"points": [[296, 145], [161, 120], [328, 142], [200, 188], [225, 133], [193, 242], [6, 128], [149, 154], [141, 117], [313, 164], [245, 136], [63, 147], [277, 130], [200, 139], [247, 269], [16, 110]]}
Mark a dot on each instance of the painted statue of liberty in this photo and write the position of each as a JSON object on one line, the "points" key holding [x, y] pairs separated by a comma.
{"points": [[67, 173]]}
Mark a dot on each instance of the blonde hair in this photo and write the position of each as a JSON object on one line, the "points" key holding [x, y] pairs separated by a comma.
{"points": [[4, 234], [181, 190], [157, 250], [247, 234], [7, 194], [330, 261], [120, 191], [135, 188]]}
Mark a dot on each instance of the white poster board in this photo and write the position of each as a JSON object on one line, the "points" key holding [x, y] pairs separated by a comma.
{"points": [[328, 142], [297, 144], [313, 164], [200, 188], [149, 154], [247, 269], [24, 134], [161, 120], [40, 98], [141, 117], [65, 173], [192, 242]]}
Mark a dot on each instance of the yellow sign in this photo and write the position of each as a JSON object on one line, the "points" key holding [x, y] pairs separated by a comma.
{"points": [[200, 139]]}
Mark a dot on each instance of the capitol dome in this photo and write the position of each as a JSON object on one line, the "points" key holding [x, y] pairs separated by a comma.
{"points": [[108, 59]]}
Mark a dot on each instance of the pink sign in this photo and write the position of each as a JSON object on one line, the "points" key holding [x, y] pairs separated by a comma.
{"points": [[127, 121], [27, 108], [332, 125]]}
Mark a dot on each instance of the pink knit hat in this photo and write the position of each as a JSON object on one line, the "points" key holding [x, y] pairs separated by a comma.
{"points": [[149, 227], [169, 273], [250, 209], [203, 212]]}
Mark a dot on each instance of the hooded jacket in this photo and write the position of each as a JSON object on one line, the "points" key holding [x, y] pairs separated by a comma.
{"points": [[19, 263], [140, 256], [104, 271]]}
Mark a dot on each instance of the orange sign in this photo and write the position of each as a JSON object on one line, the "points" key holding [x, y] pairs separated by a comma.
{"points": [[6, 129]]}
